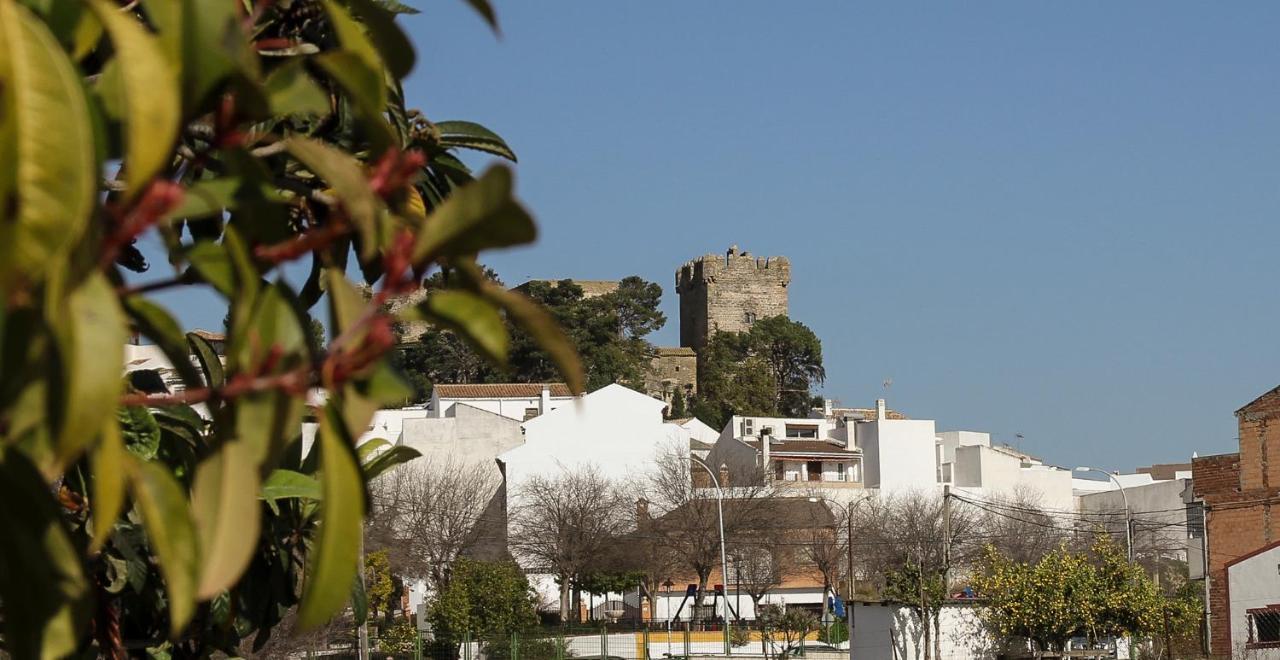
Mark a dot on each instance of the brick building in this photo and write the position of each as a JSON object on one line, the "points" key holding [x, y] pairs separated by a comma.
{"points": [[1241, 496], [729, 293]]}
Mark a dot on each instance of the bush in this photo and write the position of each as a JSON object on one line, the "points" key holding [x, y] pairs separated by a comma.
{"points": [[399, 637]]}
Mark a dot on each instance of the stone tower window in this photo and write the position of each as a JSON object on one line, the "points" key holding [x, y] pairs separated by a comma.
{"points": [[749, 317]]}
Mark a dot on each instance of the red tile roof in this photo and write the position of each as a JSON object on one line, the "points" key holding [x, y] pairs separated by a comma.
{"points": [[803, 447], [500, 390]]}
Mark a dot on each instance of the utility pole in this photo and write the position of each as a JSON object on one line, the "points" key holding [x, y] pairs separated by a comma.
{"points": [[924, 611], [362, 632], [946, 539]]}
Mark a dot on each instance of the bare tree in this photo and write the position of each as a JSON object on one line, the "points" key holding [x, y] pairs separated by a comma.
{"points": [[566, 522], [689, 520], [760, 563], [426, 513]]}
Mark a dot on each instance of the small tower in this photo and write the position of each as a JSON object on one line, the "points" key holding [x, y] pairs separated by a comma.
{"points": [[729, 293]]}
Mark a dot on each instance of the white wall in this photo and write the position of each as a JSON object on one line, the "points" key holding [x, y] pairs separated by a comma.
{"points": [[1160, 510], [468, 434], [1253, 582], [885, 632], [510, 407], [898, 454]]}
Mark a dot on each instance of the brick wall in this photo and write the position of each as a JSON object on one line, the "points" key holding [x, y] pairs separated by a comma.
{"points": [[1241, 493]]}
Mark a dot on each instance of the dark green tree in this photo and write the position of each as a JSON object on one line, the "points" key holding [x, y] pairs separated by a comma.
{"points": [[489, 600]]}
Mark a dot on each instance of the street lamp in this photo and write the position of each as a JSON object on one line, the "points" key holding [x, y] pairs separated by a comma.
{"points": [[848, 516], [1128, 514], [724, 565]]}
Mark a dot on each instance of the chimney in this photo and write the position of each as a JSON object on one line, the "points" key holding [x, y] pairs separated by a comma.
{"points": [[544, 400], [880, 415], [766, 439], [642, 511], [724, 475]]}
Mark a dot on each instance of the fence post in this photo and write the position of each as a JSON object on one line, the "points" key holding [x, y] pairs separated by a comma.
{"points": [[417, 644], [604, 643], [646, 644], [686, 640], [515, 646], [727, 650], [560, 643], [466, 645]]}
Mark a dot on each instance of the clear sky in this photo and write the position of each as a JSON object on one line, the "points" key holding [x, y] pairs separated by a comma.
{"points": [[1053, 219]]}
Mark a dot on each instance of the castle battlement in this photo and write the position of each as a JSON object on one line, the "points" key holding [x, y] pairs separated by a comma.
{"points": [[710, 266], [728, 293]]}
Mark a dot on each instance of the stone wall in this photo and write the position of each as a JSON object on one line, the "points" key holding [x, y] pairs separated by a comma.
{"points": [[729, 293], [671, 369]]}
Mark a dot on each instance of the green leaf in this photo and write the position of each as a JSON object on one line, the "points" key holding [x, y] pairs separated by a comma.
{"points": [[482, 214], [472, 317], [470, 135], [206, 198], [346, 305], [369, 448], [287, 484], [290, 91], [41, 578], [150, 88], [92, 345], [214, 375], [387, 37], [387, 460], [211, 262], [544, 329], [214, 48], [345, 175], [367, 90], [48, 185], [108, 483], [156, 323], [225, 502], [485, 9], [359, 600], [335, 556], [265, 421], [171, 534], [352, 37]]}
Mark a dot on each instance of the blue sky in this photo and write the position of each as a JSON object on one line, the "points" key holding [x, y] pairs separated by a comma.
{"points": [[1053, 219]]}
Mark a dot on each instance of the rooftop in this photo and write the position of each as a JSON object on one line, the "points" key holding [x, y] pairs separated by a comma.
{"points": [[500, 390], [803, 447]]}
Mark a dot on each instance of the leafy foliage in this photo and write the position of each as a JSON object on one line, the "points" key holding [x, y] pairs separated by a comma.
{"points": [[490, 600], [608, 332], [766, 371], [1075, 594], [242, 137]]}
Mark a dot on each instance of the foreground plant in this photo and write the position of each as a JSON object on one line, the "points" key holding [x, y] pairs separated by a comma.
{"points": [[245, 136]]}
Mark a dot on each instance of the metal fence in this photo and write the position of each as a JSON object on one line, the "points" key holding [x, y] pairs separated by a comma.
{"points": [[674, 641]]}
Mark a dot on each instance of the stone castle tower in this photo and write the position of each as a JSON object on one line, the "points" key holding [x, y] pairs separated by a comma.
{"points": [[729, 293]]}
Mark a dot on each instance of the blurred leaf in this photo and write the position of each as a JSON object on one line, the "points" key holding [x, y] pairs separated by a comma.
{"points": [[352, 37], [140, 432], [335, 556], [359, 69], [470, 135], [286, 484], [371, 447], [213, 49], [485, 9], [211, 262], [49, 182], [214, 375], [205, 198], [41, 578], [544, 329], [108, 483], [225, 502], [92, 345], [291, 91], [387, 37], [387, 460], [265, 421], [171, 534], [155, 322], [150, 88], [472, 317], [480, 215], [397, 7], [345, 175], [346, 305], [359, 600]]}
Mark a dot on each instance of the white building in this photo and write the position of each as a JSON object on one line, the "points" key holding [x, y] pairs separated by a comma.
{"points": [[518, 401], [1165, 521], [1253, 603], [839, 449]]}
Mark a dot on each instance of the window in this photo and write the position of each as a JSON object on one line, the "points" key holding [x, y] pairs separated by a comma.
{"points": [[748, 427], [779, 470], [749, 317], [802, 431], [530, 413], [1264, 627], [840, 474], [815, 470]]}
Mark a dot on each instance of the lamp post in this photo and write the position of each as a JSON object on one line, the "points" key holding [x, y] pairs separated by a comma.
{"points": [[848, 516], [1128, 514], [724, 565]]}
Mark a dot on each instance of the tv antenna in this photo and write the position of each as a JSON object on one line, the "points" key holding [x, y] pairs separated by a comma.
{"points": [[888, 382]]}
